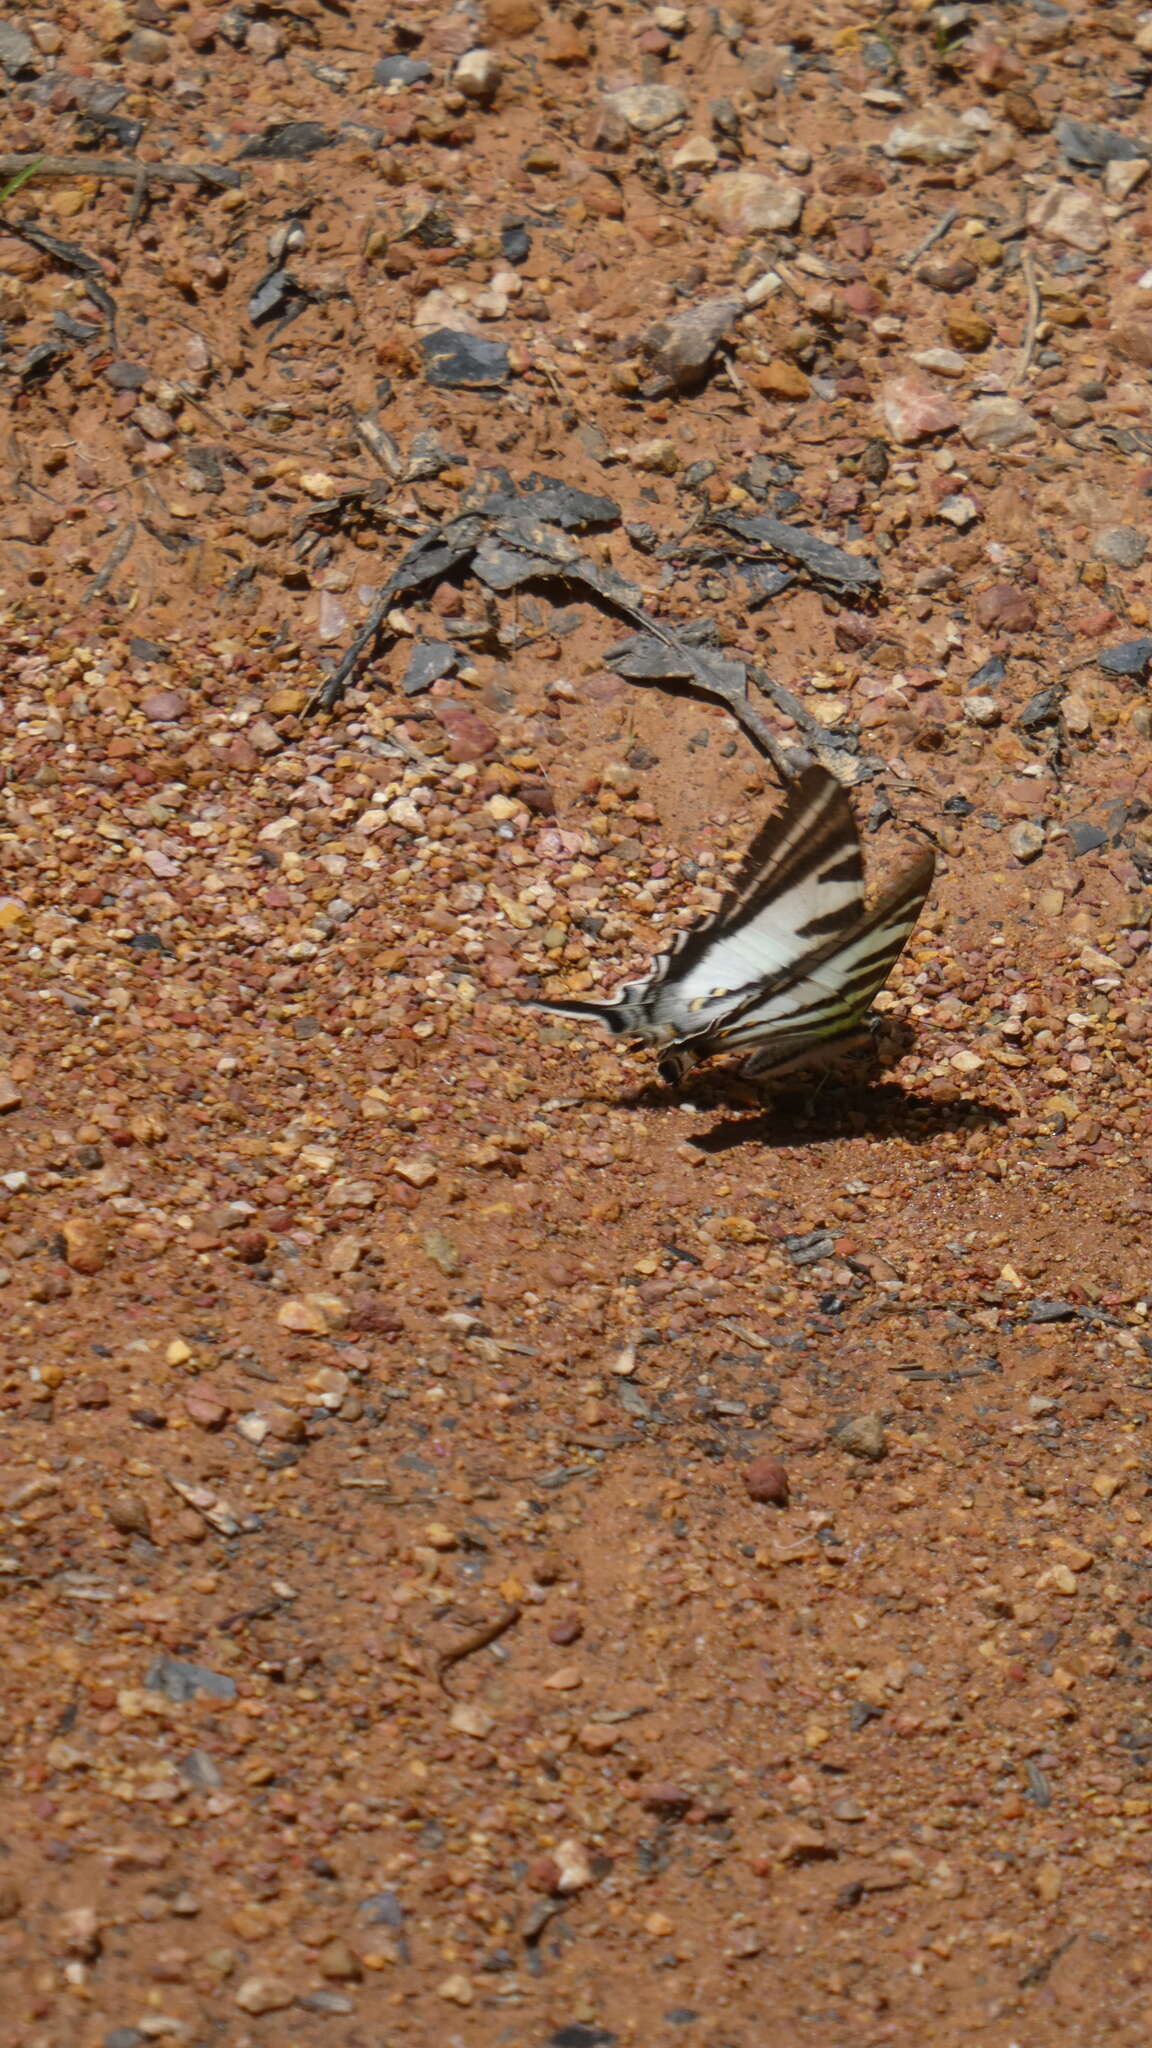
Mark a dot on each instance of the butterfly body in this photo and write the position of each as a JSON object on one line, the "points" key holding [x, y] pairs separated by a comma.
{"points": [[790, 964]]}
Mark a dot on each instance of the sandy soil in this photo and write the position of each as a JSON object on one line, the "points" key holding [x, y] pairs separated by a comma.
{"points": [[398, 1646]]}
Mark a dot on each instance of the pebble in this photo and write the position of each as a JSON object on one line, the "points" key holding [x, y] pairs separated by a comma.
{"points": [[1087, 142], [912, 411], [1071, 216], [419, 1172], [695, 153], [745, 202], [256, 1995], [681, 347], [163, 707], [645, 108], [313, 1315], [573, 1867], [982, 711], [766, 1479], [458, 361], [129, 1516], [85, 1244], [11, 1096], [862, 1436], [660, 457], [780, 379], [477, 75], [1005, 606], [1122, 179], [1026, 841], [402, 71], [998, 423], [934, 136], [457, 1989], [1122, 547]]}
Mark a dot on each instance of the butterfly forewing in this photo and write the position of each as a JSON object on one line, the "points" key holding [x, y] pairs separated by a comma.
{"points": [[800, 884]]}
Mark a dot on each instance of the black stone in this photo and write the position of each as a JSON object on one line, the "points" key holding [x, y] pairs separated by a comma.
{"points": [[1085, 838], [181, 1681], [830, 567], [992, 672], [41, 361], [288, 142], [1086, 142], [1129, 658], [428, 661], [577, 2036], [463, 362], [122, 131], [515, 243], [402, 71], [277, 292], [130, 377], [1052, 1312], [73, 330], [382, 1909], [1040, 710]]}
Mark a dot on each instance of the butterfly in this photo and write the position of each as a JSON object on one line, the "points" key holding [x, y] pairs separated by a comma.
{"points": [[790, 964]]}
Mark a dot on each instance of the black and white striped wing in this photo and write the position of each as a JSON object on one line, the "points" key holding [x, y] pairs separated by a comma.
{"points": [[801, 886], [807, 1012]]}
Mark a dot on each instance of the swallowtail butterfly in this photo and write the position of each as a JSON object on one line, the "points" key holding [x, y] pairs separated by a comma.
{"points": [[788, 967]]}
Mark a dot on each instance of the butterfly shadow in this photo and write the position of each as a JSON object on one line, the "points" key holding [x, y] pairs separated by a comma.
{"points": [[808, 1110], [839, 1111]]}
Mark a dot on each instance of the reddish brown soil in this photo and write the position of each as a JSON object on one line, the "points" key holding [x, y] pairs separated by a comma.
{"points": [[353, 1313]]}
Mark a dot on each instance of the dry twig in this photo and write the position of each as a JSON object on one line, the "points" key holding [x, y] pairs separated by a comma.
{"points": [[934, 235], [479, 1639], [122, 170], [1034, 312]]}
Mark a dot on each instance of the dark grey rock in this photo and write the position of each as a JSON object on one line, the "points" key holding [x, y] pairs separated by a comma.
{"points": [[17, 51], [830, 567], [1040, 710], [287, 142], [987, 677], [126, 376], [463, 362], [515, 243], [577, 2036], [181, 1681], [1122, 547], [681, 347], [1086, 142], [1128, 658], [382, 1909], [198, 1770], [428, 661], [1085, 838], [402, 71], [1052, 1312], [277, 292]]}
